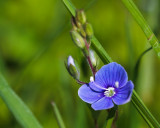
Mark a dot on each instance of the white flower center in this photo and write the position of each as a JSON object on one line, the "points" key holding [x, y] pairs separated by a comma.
{"points": [[109, 92]]}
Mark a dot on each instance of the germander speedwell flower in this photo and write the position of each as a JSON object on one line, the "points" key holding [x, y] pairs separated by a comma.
{"points": [[111, 86]]}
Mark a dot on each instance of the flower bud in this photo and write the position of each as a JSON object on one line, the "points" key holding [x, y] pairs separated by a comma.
{"points": [[77, 39], [74, 27], [81, 17], [89, 30], [72, 68], [81, 31], [93, 57]]}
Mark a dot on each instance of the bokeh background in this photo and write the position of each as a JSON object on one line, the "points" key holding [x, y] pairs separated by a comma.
{"points": [[35, 42]]}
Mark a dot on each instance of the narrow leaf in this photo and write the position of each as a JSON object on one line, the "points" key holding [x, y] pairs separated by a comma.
{"points": [[21, 112], [58, 116]]}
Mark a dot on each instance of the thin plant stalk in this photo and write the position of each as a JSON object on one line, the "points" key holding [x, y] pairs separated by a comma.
{"points": [[58, 115]]}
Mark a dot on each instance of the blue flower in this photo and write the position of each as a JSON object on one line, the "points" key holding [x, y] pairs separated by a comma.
{"points": [[111, 86]]}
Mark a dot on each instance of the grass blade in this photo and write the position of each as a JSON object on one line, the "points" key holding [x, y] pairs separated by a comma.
{"points": [[143, 24], [70, 7], [21, 112], [58, 116]]}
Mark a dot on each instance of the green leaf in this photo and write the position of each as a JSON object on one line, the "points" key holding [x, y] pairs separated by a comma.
{"points": [[70, 7], [100, 51], [21, 112]]}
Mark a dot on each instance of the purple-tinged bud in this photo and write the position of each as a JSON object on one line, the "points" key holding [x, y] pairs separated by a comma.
{"points": [[72, 68], [89, 30], [80, 16], [94, 58], [77, 39]]}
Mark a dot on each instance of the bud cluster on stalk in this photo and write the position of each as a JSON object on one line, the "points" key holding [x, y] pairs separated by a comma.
{"points": [[82, 30], [81, 35]]}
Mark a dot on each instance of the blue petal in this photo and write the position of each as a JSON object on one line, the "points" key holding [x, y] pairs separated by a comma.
{"points": [[123, 95], [94, 86], [103, 103], [111, 73], [88, 95]]}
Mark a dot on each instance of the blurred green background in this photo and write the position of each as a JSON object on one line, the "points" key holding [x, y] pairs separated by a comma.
{"points": [[35, 41]]}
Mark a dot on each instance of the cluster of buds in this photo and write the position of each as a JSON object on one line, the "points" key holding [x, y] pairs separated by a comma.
{"points": [[81, 35], [82, 31]]}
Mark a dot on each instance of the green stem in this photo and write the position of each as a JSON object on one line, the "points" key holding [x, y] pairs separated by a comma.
{"points": [[139, 105], [21, 112], [143, 24], [136, 68], [58, 115], [100, 51]]}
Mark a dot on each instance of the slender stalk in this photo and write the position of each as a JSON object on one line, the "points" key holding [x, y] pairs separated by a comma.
{"points": [[136, 68], [100, 51], [143, 24], [21, 112], [96, 123], [87, 55], [80, 82], [91, 66], [138, 103], [58, 116]]}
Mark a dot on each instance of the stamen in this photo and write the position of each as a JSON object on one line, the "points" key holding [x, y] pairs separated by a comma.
{"points": [[91, 79], [117, 84], [109, 92]]}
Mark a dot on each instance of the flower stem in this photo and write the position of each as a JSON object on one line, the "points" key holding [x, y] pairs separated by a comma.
{"points": [[136, 68], [91, 66], [80, 82], [87, 55], [58, 115], [96, 123]]}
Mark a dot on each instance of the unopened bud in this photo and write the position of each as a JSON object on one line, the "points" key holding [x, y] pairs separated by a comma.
{"points": [[89, 30], [81, 31], [81, 17], [77, 39], [72, 68], [74, 27], [93, 57], [78, 24]]}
